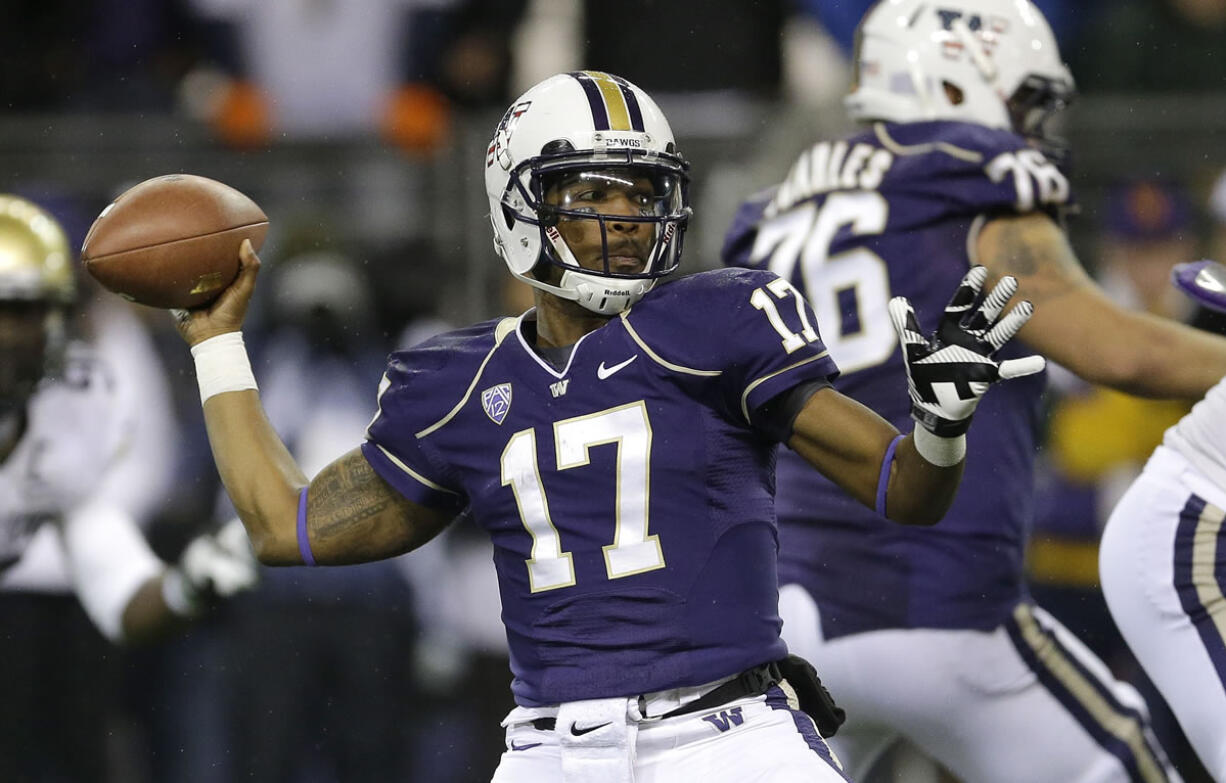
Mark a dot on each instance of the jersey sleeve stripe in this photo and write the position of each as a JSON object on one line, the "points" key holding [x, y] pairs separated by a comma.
{"points": [[505, 327], [755, 384], [887, 141], [657, 358], [412, 473]]}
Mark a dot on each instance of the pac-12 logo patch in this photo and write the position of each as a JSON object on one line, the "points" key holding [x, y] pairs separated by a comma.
{"points": [[497, 402]]}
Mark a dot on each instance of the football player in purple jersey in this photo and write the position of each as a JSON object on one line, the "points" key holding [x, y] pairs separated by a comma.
{"points": [[929, 635], [617, 443]]}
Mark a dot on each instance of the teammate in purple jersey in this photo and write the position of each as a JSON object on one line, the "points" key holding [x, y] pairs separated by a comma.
{"points": [[618, 445], [938, 641]]}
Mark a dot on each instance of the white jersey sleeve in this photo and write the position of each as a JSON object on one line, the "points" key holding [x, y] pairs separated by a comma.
{"points": [[49, 492], [1201, 435], [108, 561]]}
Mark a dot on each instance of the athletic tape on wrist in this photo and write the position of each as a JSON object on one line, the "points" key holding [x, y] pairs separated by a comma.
{"points": [[940, 451], [883, 481], [304, 543], [222, 365]]}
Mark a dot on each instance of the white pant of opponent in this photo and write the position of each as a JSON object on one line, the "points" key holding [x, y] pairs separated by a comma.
{"points": [[1163, 567], [758, 739], [1025, 703]]}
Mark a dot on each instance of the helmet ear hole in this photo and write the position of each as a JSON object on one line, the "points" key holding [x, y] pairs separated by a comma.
{"points": [[557, 147], [508, 215], [953, 93]]}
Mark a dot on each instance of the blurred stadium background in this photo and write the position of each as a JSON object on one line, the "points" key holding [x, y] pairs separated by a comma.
{"points": [[360, 126]]}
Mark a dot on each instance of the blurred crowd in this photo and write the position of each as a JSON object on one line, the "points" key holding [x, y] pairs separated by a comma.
{"points": [[397, 670]]}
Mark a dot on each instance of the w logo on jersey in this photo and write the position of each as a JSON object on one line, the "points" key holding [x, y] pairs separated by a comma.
{"points": [[496, 400]]}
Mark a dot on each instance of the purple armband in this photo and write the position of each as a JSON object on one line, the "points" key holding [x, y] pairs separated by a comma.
{"points": [[883, 482], [304, 543]]}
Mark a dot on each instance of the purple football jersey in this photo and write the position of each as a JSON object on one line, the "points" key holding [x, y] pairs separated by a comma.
{"points": [[629, 495], [890, 212]]}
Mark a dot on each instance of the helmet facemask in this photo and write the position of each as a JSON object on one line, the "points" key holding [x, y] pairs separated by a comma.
{"points": [[1034, 107], [562, 192]]}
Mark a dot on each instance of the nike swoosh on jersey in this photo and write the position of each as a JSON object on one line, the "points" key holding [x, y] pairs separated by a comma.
{"points": [[603, 372], [580, 731]]}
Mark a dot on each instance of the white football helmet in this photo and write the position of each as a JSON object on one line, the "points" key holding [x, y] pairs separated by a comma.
{"points": [[991, 62], [585, 121]]}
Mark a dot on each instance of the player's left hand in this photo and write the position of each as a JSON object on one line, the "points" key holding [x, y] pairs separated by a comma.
{"points": [[950, 371], [215, 565]]}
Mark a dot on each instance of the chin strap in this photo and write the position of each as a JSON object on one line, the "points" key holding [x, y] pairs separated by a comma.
{"points": [[601, 295]]}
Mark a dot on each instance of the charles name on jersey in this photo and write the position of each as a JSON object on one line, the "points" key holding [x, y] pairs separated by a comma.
{"points": [[830, 166]]}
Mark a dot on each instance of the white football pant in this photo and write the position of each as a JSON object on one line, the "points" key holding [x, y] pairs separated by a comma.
{"points": [[1163, 569], [758, 739], [1025, 703]]}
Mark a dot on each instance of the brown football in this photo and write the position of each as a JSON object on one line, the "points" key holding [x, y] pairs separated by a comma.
{"points": [[172, 241]]}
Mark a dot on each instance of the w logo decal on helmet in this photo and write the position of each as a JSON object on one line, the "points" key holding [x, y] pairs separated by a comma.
{"points": [[502, 136]]}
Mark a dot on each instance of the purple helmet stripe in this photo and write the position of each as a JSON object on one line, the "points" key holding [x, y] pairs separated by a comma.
{"points": [[600, 115], [632, 104]]}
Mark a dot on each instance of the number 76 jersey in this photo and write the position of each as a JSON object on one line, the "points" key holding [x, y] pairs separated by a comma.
{"points": [[893, 211], [629, 495]]}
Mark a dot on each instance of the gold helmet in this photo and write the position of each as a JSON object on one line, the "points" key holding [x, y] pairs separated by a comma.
{"points": [[35, 260]]}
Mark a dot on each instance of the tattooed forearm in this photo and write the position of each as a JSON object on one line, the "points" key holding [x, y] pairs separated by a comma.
{"points": [[1016, 256], [355, 516], [1035, 250]]}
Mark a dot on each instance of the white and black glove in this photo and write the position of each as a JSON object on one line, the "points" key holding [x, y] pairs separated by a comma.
{"points": [[949, 372], [213, 566]]}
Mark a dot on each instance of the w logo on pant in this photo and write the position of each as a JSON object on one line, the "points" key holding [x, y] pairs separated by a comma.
{"points": [[725, 719]]}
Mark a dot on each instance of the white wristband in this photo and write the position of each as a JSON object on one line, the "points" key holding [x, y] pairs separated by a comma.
{"points": [[222, 365], [942, 452], [178, 595]]}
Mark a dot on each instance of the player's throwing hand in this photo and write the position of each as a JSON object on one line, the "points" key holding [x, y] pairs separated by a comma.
{"points": [[949, 372]]}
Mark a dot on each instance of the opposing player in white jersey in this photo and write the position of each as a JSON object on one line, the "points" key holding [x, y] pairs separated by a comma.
{"points": [[61, 438], [939, 641], [1162, 561]]}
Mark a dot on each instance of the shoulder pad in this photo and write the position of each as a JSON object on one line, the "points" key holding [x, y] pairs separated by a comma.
{"points": [[972, 167], [738, 242], [423, 383]]}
